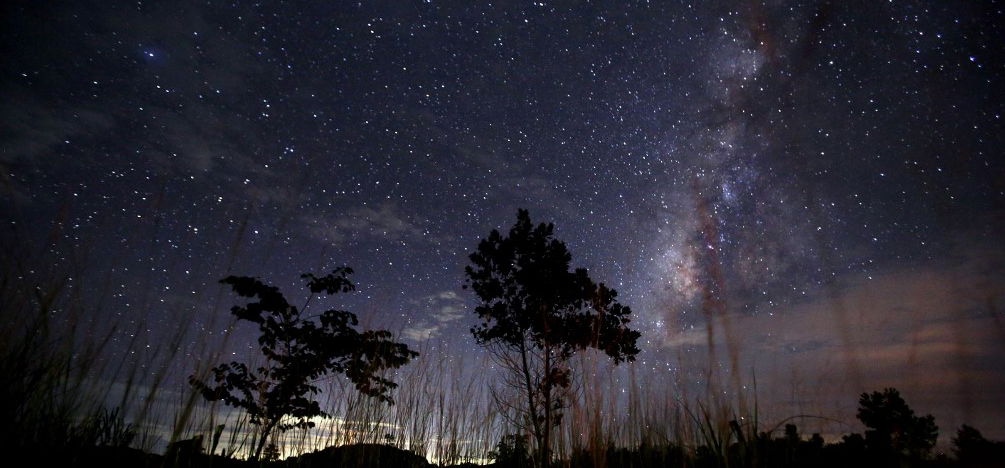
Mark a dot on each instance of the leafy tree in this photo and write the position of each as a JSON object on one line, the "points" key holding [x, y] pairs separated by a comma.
{"points": [[535, 314], [298, 352], [894, 432]]}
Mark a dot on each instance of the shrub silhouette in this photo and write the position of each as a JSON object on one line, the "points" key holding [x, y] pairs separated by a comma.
{"points": [[511, 452], [271, 452], [535, 314], [894, 432], [973, 450], [299, 351]]}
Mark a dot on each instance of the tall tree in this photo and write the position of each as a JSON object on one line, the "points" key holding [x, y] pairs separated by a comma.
{"points": [[536, 314], [297, 352]]}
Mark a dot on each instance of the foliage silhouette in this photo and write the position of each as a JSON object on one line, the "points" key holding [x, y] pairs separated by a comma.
{"points": [[973, 450], [535, 314], [298, 352], [511, 452], [894, 432]]}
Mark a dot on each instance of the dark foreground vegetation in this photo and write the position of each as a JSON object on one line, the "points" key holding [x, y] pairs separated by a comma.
{"points": [[894, 437], [535, 315]]}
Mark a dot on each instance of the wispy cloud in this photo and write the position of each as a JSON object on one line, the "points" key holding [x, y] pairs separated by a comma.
{"points": [[440, 310], [386, 221]]}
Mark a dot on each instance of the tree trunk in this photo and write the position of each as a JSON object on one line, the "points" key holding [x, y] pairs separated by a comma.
{"points": [[546, 447], [532, 409]]}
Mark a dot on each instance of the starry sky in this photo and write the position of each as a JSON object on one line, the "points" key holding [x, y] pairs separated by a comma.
{"points": [[819, 184]]}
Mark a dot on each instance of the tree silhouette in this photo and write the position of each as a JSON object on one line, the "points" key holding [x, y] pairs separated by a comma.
{"points": [[535, 314], [298, 352], [894, 432], [511, 452], [973, 450]]}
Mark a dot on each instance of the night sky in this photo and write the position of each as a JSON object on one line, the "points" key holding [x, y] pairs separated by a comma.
{"points": [[831, 173]]}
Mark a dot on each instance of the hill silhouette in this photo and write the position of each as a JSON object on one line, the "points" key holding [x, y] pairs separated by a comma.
{"points": [[360, 456]]}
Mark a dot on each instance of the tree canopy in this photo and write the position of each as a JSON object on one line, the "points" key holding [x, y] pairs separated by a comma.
{"points": [[893, 431]]}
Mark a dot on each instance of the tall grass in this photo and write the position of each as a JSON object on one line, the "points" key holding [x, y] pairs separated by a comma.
{"points": [[75, 381], [446, 407]]}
